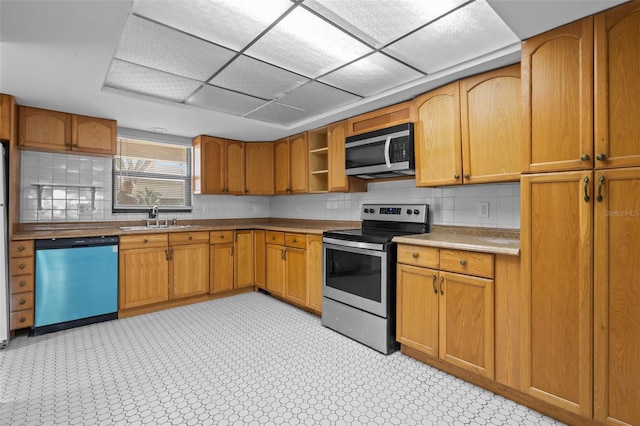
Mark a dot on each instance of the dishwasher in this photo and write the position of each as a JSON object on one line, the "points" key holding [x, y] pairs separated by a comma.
{"points": [[76, 282]]}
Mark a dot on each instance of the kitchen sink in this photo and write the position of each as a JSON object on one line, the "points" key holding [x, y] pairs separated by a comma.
{"points": [[154, 227]]}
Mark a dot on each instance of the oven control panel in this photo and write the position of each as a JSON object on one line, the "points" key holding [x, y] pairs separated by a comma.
{"points": [[412, 213]]}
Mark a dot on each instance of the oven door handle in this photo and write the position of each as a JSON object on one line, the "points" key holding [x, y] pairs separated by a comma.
{"points": [[354, 244], [387, 158]]}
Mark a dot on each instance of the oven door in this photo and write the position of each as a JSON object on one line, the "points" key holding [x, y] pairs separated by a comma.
{"points": [[357, 275]]}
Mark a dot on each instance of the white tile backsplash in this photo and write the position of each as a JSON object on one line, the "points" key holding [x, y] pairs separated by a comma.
{"points": [[448, 205]]}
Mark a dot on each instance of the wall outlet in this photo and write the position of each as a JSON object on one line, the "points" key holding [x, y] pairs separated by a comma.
{"points": [[483, 209]]}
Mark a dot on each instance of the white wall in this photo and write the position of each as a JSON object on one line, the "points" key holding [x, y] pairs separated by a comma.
{"points": [[449, 205]]}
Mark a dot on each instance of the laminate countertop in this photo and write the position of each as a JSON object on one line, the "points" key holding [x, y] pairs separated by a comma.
{"points": [[485, 240], [39, 231]]}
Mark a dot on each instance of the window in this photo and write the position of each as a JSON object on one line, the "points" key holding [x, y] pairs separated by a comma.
{"points": [[147, 174]]}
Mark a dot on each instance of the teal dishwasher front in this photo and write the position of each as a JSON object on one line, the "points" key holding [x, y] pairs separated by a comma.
{"points": [[76, 282]]}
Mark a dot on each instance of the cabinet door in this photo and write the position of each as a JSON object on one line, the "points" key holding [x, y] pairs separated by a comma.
{"points": [[93, 135], [234, 158], [417, 308], [44, 129], [617, 87], [243, 259], [281, 166], [221, 264], [260, 258], [617, 297], [275, 269], [7, 112], [296, 275], [299, 161], [466, 322], [314, 272], [557, 88], [143, 277], [212, 165], [437, 144], [259, 168], [189, 270], [491, 105], [336, 138], [557, 268]]}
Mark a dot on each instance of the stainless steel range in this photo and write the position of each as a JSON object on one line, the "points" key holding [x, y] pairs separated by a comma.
{"points": [[359, 273]]}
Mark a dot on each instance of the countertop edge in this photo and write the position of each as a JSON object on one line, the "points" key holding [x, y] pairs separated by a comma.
{"points": [[478, 244]]}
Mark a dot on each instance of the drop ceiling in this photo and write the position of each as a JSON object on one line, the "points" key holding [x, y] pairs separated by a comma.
{"points": [[255, 69]]}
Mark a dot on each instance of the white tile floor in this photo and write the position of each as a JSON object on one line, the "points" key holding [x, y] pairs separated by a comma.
{"points": [[247, 359]]}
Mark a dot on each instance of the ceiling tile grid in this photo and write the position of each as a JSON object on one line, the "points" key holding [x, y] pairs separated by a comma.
{"points": [[284, 61]]}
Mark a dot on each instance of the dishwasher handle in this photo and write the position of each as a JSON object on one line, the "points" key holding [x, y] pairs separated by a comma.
{"points": [[56, 243]]}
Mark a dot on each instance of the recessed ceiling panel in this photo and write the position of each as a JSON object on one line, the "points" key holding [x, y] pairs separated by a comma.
{"points": [[379, 22], [465, 34], [218, 99], [257, 78], [146, 81], [280, 114], [371, 75], [156, 46], [230, 23], [318, 97], [307, 45]]}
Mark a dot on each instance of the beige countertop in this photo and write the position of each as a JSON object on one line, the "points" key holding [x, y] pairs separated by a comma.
{"points": [[38, 231], [497, 241]]}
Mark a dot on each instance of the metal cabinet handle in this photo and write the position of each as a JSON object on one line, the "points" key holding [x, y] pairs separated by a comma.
{"points": [[190, 238], [67, 144], [232, 250], [467, 175], [166, 254], [22, 301], [585, 157], [456, 176], [586, 189], [433, 283], [415, 255], [21, 248], [294, 240], [601, 157], [22, 266], [442, 285], [600, 183], [75, 145], [22, 319], [284, 254], [222, 237], [145, 241], [463, 262], [22, 283]]}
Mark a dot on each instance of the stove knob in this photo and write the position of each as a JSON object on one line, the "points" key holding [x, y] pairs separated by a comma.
{"points": [[416, 211], [366, 210], [409, 211]]}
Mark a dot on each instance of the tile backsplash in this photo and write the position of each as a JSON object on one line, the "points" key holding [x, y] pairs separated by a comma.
{"points": [[456, 205]]}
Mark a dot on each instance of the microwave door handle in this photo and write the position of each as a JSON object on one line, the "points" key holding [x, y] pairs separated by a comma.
{"points": [[387, 145]]}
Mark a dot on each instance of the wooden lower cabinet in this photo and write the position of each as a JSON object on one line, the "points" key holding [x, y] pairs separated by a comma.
{"points": [[21, 284], [243, 259], [276, 273], [314, 272], [296, 275], [143, 276], [259, 259], [189, 264], [447, 315], [221, 263]]}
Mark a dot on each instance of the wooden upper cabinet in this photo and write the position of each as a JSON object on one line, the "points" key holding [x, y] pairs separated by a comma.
{"points": [[259, 168], [7, 113], [557, 73], [379, 119], [336, 138], [617, 86], [299, 163], [491, 118], [93, 135], [58, 131], [235, 163], [437, 137], [281, 166]]}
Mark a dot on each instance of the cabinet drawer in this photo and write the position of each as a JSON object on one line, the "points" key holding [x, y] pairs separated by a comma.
{"points": [[21, 301], [21, 283], [467, 262], [273, 237], [295, 240], [217, 237], [22, 248], [181, 238], [21, 265], [418, 255], [21, 319], [143, 241]]}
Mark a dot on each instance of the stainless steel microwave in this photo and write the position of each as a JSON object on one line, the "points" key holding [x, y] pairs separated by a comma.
{"points": [[381, 153]]}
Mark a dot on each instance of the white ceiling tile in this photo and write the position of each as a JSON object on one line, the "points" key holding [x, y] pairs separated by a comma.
{"points": [[230, 23], [137, 79], [280, 114], [257, 78], [318, 97], [155, 46], [307, 45], [224, 100], [373, 74], [379, 22], [467, 33]]}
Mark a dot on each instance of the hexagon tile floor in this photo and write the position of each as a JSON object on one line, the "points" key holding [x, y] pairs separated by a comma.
{"points": [[245, 360]]}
